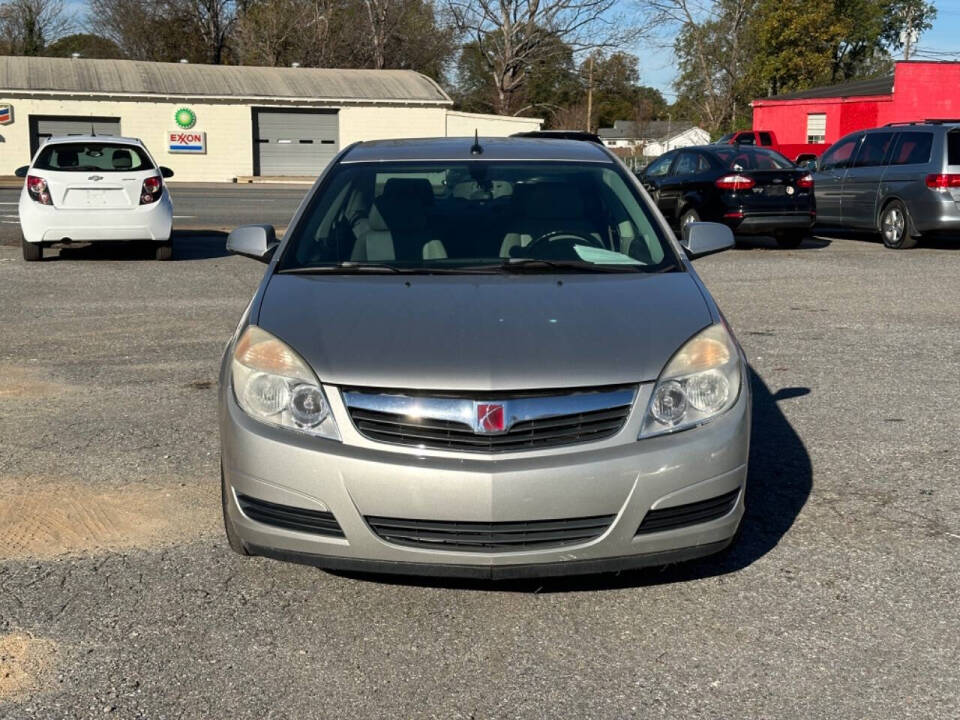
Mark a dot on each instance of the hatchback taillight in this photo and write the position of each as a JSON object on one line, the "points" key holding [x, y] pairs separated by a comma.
{"points": [[150, 192], [943, 181], [735, 182], [806, 182], [38, 190]]}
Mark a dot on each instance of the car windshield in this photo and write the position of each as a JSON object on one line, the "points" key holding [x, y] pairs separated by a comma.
{"points": [[477, 216], [750, 158], [88, 156]]}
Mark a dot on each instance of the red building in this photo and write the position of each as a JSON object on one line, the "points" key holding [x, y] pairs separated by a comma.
{"points": [[917, 91]]}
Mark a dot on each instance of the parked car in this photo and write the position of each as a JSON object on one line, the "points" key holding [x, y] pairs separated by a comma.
{"points": [[902, 181], [486, 359], [752, 190], [92, 189], [799, 153]]}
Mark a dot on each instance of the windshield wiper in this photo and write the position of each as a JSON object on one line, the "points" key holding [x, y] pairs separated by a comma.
{"points": [[521, 265], [343, 268]]}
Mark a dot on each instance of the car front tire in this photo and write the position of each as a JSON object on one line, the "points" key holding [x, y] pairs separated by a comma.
{"points": [[688, 216], [895, 227], [32, 252]]}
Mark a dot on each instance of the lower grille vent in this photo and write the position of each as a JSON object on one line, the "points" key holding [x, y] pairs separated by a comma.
{"points": [[290, 518], [490, 537], [691, 514]]}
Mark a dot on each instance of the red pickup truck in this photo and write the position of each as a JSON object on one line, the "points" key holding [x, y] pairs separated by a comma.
{"points": [[798, 152]]}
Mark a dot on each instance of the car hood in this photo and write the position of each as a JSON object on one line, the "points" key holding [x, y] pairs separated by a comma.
{"points": [[484, 332]]}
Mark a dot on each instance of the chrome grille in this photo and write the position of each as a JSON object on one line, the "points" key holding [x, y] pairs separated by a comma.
{"points": [[530, 421]]}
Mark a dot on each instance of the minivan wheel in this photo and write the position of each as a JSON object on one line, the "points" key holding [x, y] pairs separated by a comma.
{"points": [[895, 227], [233, 540], [790, 239], [32, 252]]}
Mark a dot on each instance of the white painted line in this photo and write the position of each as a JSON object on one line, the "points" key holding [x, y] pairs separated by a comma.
{"points": [[181, 217], [16, 203]]}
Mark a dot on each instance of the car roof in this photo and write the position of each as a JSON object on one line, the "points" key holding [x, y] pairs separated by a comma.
{"points": [[493, 148], [57, 139]]}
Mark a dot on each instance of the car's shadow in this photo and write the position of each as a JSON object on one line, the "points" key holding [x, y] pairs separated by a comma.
{"points": [[753, 242], [779, 481], [944, 241], [187, 245]]}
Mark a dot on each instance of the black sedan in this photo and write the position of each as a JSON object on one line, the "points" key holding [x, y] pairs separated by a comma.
{"points": [[752, 190]]}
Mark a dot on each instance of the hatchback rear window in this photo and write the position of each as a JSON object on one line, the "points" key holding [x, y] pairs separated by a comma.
{"points": [[741, 158], [90, 156], [913, 148], [953, 148]]}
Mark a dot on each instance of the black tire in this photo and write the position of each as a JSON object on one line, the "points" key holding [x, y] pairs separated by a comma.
{"points": [[688, 216], [233, 540], [32, 252], [790, 239], [164, 251], [896, 230]]}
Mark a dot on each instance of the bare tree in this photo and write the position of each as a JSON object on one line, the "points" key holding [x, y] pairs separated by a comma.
{"points": [[28, 26], [514, 35]]}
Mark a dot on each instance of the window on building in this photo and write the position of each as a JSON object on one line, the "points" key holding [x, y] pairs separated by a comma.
{"points": [[913, 148], [816, 128], [874, 149]]}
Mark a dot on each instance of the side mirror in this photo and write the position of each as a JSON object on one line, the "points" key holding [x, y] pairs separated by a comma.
{"points": [[706, 238], [166, 172], [22, 171], [253, 241]]}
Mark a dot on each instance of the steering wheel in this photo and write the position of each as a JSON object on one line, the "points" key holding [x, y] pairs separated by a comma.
{"points": [[571, 239]]}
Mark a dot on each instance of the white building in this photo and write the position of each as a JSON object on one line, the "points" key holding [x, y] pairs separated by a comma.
{"points": [[217, 122], [653, 138]]}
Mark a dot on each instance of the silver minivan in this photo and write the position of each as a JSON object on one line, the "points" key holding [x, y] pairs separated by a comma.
{"points": [[901, 180], [488, 358]]}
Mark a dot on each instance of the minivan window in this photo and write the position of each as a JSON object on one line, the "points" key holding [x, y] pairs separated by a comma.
{"points": [[953, 148], [838, 156], [913, 148], [874, 149], [479, 216], [89, 156]]}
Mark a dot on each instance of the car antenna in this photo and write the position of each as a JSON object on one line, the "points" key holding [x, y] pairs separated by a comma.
{"points": [[93, 129], [476, 149]]}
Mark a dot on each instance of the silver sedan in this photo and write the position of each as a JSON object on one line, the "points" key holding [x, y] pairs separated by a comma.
{"points": [[485, 358]]}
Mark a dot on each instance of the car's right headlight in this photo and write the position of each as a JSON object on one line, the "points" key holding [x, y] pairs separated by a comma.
{"points": [[274, 385], [700, 382]]}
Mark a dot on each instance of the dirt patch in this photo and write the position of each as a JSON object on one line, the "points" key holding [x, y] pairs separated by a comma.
{"points": [[23, 662], [18, 382], [58, 518]]}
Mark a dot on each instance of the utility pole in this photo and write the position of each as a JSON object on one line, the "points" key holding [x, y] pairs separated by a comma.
{"points": [[590, 94], [908, 33]]}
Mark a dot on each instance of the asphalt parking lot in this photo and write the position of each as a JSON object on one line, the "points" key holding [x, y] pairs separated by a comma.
{"points": [[119, 597]]}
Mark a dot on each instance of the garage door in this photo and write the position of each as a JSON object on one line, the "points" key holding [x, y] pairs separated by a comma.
{"points": [[294, 143], [43, 127]]}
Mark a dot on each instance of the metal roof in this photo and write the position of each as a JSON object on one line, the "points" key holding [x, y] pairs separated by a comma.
{"points": [[135, 77], [650, 130], [494, 148], [857, 88]]}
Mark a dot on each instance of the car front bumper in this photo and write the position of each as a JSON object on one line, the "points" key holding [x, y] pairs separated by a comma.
{"points": [[623, 478], [46, 224]]}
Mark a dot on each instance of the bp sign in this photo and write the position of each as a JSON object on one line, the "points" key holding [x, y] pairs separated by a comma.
{"points": [[185, 118]]}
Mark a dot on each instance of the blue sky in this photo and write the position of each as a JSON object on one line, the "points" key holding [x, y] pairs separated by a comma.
{"points": [[942, 42]]}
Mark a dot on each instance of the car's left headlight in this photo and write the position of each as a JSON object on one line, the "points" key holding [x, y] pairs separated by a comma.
{"points": [[274, 385], [700, 382]]}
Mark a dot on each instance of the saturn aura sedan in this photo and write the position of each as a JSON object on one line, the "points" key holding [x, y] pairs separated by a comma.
{"points": [[482, 358], [93, 189]]}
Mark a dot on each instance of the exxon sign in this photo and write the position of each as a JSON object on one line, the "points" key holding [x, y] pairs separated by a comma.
{"points": [[187, 141], [6, 114]]}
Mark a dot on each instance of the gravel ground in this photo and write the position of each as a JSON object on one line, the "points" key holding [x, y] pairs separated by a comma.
{"points": [[118, 596]]}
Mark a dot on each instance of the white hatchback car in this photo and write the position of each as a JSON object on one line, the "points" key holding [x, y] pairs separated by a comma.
{"points": [[90, 189]]}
